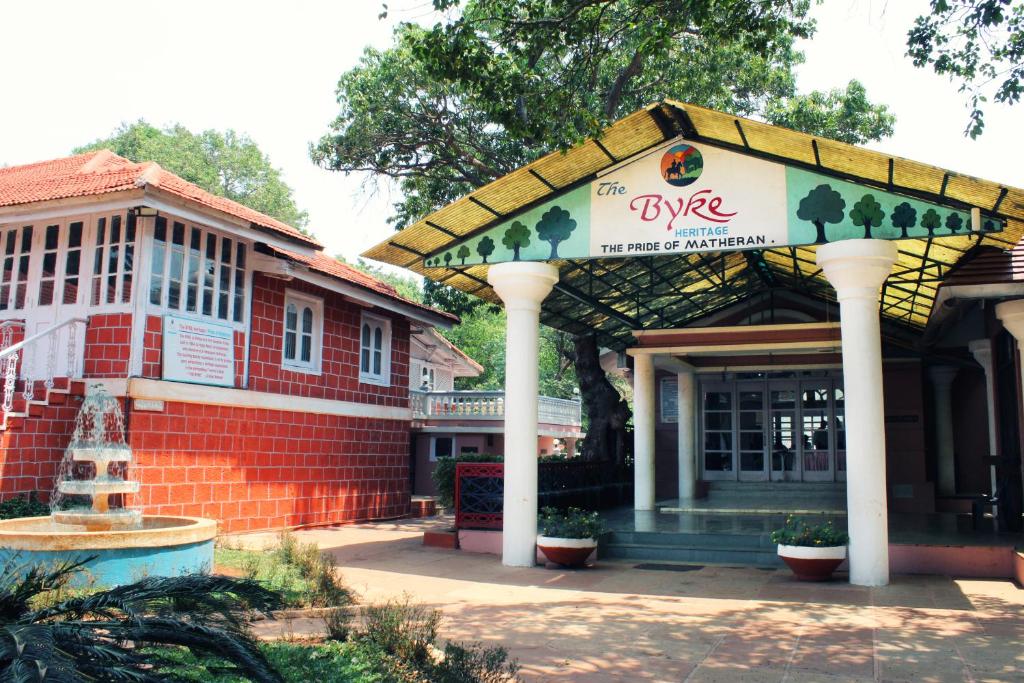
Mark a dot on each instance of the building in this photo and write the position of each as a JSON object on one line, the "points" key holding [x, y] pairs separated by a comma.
{"points": [[265, 384], [450, 422], [797, 310]]}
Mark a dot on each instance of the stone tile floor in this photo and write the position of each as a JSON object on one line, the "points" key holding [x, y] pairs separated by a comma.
{"points": [[614, 622]]}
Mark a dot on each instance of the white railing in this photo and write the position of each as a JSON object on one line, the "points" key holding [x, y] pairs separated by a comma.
{"points": [[10, 354], [488, 405]]}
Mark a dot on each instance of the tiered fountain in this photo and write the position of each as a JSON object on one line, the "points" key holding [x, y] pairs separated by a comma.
{"points": [[90, 516]]}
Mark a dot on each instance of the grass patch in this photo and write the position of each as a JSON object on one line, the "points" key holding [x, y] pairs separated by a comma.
{"points": [[303, 575]]}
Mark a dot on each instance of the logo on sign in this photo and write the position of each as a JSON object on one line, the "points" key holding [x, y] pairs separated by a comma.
{"points": [[681, 165]]}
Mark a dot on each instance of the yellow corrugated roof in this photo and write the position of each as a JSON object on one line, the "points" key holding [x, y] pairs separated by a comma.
{"points": [[909, 293]]}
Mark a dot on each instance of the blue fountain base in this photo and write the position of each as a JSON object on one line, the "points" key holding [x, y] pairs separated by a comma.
{"points": [[161, 546], [117, 566]]}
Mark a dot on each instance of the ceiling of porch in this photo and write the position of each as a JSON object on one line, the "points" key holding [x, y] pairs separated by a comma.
{"points": [[615, 296]]}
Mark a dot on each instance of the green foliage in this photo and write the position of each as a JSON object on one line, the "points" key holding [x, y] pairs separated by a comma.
{"points": [[868, 213], [821, 205], [407, 286], [572, 523], [403, 637], [299, 572], [555, 226], [904, 216], [29, 506], [931, 221], [979, 43], [798, 532], [444, 474], [118, 634], [401, 628], [226, 163], [463, 253], [845, 115], [516, 237]]}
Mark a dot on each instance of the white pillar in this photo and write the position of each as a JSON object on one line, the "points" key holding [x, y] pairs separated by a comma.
{"points": [[981, 349], [687, 402], [857, 269], [643, 432], [1011, 314], [522, 287], [942, 392]]}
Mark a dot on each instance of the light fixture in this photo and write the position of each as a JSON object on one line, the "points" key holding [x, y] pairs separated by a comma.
{"points": [[145, 212]]}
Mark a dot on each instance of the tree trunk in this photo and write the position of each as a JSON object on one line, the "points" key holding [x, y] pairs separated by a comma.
{"points": [[821, 237], [607, 411]]}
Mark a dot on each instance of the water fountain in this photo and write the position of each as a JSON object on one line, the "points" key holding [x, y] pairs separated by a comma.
{"points": [[90, 515]]}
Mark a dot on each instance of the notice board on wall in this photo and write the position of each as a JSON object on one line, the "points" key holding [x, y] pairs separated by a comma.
{"points": [[669, 400], [198, 351]]}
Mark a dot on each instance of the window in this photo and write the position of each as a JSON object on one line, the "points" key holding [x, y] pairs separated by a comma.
{"points": [[375, 350], [113, 260], [196, 271], [17, 245], [303, 331], [441, 447], [427, 379]]}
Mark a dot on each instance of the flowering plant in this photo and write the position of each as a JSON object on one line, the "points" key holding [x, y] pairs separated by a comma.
{"points": [[573, 523], [799, 532]]}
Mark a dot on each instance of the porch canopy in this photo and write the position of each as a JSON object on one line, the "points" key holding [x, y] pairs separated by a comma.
{"points": [[677, 212], [614, 296]]}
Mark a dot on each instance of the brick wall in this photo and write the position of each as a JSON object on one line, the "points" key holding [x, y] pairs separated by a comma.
{"points": [[108, 345], [255, 469], [32, 449], [339, 379]]}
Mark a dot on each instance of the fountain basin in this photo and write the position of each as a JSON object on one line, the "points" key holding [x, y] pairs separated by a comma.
{"points": [[161, 546]]}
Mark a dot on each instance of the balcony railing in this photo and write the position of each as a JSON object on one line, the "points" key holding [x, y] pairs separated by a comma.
{"points": [[488, 405]]}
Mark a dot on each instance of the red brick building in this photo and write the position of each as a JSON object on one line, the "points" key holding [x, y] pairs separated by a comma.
{"points": [[266, 384]]}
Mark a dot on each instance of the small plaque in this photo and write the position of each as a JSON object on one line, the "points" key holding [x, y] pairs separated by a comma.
{"points": [[149, 405]]}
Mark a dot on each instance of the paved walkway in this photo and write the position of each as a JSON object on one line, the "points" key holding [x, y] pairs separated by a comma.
{"points": [[615, 622]]}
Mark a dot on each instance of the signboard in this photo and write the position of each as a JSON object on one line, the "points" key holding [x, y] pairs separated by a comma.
{"points": [[198, 351], [669, 399], [683, 197]]}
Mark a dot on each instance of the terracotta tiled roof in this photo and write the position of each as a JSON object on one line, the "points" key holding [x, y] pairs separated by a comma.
{"points": [[332, 267], [102, 172]]}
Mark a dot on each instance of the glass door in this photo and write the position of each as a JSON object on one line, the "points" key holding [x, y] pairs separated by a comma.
{"points": [[816, 430], [782, 402], [751, 424], [717, 407]]}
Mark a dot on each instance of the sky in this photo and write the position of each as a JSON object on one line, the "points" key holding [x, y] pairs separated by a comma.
{"points": [[75, 70]]}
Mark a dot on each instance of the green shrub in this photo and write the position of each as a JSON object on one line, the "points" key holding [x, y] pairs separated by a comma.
{"points": [[573, 523], [474, 663], [799, 532], [338, 622], [29, 506], [444, 474], [401, 628]]}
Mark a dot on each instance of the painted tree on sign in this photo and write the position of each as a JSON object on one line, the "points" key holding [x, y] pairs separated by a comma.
{"points": [[447, 258], [822, 205], [904, 216], [516, 237], [954, 222], [485, 248], [867, 212], [931, 220], [463, 253], [554, 227]]}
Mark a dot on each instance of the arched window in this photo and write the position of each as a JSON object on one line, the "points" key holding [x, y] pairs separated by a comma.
{"points": [[375, 350], [302, 332]]}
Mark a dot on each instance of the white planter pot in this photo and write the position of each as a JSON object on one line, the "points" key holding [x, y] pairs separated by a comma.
{"points": [[807, 552], [554, 541]]}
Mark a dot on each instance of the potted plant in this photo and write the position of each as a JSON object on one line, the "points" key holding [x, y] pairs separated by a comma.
{"points": [[812, 551], [568, 538]]}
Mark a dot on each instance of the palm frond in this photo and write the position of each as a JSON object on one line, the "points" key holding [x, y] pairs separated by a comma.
{"points": [[22, 581]]}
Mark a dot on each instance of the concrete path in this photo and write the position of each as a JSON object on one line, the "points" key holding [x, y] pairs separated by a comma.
{"points": [[616, 622]]}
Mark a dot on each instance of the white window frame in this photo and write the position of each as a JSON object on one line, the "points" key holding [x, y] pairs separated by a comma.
{"points": [[366, 377], [433, 446], [301, 300]]}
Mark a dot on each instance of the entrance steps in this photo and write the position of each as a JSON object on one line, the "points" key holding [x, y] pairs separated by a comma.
{"points": [[750, 550], [802, 498]]}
